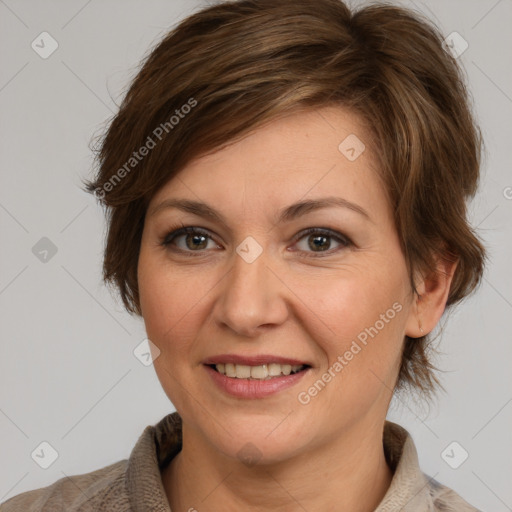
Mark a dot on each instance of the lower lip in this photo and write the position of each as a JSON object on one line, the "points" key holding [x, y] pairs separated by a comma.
{"points": [[252, 388]]}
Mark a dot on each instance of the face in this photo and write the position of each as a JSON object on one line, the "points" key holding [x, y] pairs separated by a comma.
{"points": [[258, 287]]}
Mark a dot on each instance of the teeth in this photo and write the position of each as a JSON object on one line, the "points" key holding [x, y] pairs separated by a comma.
{"points": [[242, 371], [286, 369], [230, 370], [274, 369], [261, 372]]}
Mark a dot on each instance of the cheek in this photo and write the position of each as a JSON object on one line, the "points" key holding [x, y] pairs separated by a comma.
{"points": [[171, 304], [171, 299], [363, 316], [353, 301]]}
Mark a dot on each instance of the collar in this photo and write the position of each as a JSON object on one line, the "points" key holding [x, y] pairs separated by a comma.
{"points": [[409, 490], [155, 448]]}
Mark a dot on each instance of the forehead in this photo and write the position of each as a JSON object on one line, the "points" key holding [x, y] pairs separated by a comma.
{"points": [[305, 155]]}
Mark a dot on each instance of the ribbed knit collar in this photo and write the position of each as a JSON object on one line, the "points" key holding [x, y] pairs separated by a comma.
{"points": [[410, 489]]}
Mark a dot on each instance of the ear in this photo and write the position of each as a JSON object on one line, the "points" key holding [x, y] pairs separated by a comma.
{"points": [[433, 290]]}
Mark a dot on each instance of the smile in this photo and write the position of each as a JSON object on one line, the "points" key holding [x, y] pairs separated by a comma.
{"points": [[259, 372], [257, 380]]}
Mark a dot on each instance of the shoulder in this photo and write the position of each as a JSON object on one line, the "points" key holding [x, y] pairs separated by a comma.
{"points": [[412, 490], [445, 499], [128, 484], [102, 489]]}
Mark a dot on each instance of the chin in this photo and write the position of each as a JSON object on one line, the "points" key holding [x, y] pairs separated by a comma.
{"points": [[260, 451], [258, 437]]}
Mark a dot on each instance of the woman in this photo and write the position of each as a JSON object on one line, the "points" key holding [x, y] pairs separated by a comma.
{"points": [[286, 184]]}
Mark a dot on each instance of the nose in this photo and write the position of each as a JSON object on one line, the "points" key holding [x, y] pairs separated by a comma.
{"points": [[252, 298]]}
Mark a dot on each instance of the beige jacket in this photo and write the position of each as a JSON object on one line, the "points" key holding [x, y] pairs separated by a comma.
{"points": [[136, 485]]}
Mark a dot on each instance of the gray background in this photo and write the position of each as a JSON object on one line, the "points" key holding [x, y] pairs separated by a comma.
{"points": [[68, 374]]}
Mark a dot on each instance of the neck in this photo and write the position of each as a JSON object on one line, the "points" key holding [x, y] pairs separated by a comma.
{"points": [[348, 474]]}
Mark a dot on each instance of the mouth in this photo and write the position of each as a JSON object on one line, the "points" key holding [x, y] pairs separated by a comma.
{"points": [[258, 372], [252, 377]]}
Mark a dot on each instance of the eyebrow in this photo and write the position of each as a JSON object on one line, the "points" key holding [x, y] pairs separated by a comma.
{"points": [[286, 214]]}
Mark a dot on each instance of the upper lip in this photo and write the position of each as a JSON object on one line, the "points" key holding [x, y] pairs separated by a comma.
{"points": [[255, 360]]}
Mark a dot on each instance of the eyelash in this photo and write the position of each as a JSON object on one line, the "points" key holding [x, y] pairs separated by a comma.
{"points": [[174, 233]]}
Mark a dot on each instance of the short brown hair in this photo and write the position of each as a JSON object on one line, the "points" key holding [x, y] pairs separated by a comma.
{"points": [[232, 67]]}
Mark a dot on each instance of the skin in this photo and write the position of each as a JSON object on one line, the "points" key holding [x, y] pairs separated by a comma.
{"points": [[327, 454]]}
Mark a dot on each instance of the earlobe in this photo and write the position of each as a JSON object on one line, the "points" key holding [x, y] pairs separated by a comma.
{"points": [[432, 294], [414, 327], [420, 327]]}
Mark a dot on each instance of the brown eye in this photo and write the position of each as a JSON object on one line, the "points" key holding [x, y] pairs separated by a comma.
{"points": [[195, 239], [319, 241]]}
